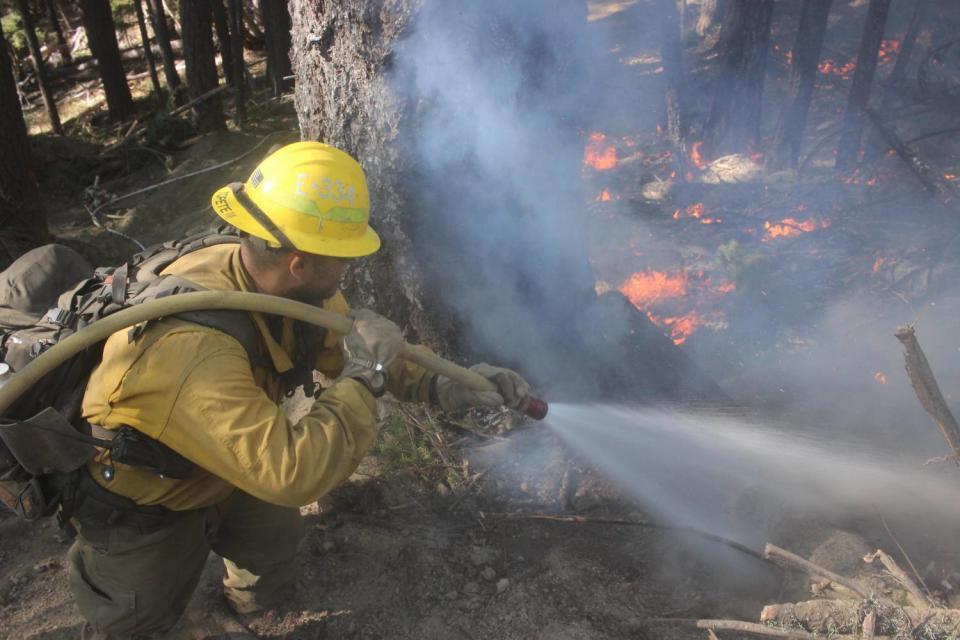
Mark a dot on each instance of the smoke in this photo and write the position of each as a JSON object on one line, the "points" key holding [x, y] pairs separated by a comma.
{"points": [[503, 94]]}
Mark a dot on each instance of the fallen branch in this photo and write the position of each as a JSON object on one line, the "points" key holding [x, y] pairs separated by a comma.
{"points": [[915, 596], [927, 389], [869, 626], [793, 561], [753, 628], [931, 178], [906, 556], [843, 616]]}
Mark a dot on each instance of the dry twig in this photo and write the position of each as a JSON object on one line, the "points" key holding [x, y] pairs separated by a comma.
{"points": [[792, 560]]}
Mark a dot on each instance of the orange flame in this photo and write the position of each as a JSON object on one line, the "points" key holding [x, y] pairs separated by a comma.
{"points": [[791, 227], [647, 287], [681, 327], [695, 156], [695, 211], [604, 196], [598, 154], [888, 51], [880, 377]]}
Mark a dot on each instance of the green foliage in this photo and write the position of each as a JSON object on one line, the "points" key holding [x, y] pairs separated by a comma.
{"points": [[400, 446], [121, 9], [13, 31], [165, 131]]}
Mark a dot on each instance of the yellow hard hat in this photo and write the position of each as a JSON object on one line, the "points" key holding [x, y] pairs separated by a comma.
{"points": [[307, 196]]}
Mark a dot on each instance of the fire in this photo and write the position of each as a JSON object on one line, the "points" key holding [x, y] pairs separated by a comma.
{"points": [[695, 156], [950, 176], [604, 196], [880, 377], [791, 227], [695, 211], [647, 287], [829, 67], [681, 327], [888, 51], [599, 155]]}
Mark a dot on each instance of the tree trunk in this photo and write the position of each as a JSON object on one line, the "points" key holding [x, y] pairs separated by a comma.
{"points": [[222, 27], [909, 41], [474, 168], [197, 33], [848, 147], [239, 72], [102, 39], [39, 67], [159, 21], [708, 11], [276, 27], [671, 52], [147, 53], [803, 75], [23, 223], [62, 43], [734, 123]]}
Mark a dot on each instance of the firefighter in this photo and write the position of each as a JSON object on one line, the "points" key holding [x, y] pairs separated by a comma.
{"points": [[198, 395]]}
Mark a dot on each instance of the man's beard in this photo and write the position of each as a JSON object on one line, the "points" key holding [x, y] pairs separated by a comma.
{"points": [[312, 296]]}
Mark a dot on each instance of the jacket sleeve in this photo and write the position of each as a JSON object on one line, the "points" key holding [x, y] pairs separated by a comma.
{"points": [[225, 423]]}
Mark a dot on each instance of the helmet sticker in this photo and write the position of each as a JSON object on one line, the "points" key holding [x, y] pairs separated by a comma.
{"points": [[326, 189], [256, 178], [222, 205]]}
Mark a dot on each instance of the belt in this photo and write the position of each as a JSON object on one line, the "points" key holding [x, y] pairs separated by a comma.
{"points": [[100, 508]]}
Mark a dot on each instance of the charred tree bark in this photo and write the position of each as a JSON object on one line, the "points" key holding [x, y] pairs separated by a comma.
{"points": [[920, 12], [848, 148], [23, 223], [671, 52], [197, 33], [276, 27], [222, 27], [159, 21], [62, 43], [39, 67], [239, 68], [102, 39], [803, 75], [147, 53], [734, 123]]}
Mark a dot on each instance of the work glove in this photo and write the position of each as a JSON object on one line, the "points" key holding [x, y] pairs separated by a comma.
{"points": [[512, 390], [369, 349]]}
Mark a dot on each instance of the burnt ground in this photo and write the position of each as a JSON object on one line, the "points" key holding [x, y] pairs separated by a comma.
{"points": [[394, 555]]}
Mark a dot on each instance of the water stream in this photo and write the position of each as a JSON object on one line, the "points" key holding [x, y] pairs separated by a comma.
{"points": [[723, 473]]}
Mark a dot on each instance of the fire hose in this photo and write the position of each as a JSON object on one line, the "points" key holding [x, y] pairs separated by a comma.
{"points": [[26, 378]]}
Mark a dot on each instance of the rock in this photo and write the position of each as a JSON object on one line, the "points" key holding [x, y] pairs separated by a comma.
{"points": [[442, 490], [472, 588], [488, 574], [45, 565], [451, 595], [328, 545], [502, 585]]}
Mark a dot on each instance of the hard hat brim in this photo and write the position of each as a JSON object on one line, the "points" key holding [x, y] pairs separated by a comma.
{"points": [[226, 205]]}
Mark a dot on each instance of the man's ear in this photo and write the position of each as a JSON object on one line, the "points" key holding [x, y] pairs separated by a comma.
{"points": [[297, 266]]}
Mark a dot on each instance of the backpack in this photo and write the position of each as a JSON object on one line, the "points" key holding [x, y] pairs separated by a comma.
{"points": [[44, 442]]}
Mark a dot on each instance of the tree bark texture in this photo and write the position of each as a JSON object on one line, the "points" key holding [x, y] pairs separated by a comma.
{"points": [[276, 27], [221, 24], [465, 118], [36, 57], [23, 224], [197, 33], [147, 53], [848, 147], [159, 21], [239, 71], [671, 52], [920, 11], [803, 75], [734, 123], [102, 39]]}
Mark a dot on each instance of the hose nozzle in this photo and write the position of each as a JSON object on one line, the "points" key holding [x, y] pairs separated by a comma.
{"points": [[534, 407]]}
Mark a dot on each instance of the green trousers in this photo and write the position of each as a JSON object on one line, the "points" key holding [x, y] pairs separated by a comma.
{"points": [[129, 584]]}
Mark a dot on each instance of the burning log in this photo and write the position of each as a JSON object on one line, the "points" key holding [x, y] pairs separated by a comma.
{"points": [[848, 149], [844, 616], [927, 389], [931, 178]]}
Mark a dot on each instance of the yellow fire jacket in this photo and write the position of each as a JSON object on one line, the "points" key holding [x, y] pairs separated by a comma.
{"points": [[193, 389]]}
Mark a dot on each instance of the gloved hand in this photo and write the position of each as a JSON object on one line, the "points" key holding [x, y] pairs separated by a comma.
{"points": [[369, 348], [512, 390]]}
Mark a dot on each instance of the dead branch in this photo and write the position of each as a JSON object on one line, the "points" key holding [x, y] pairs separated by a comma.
{"points": [[824, 616], [915, 596], [931, 178], [793, 561], [869, 626], [927, 389], [906, 556], [755, 629]]}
